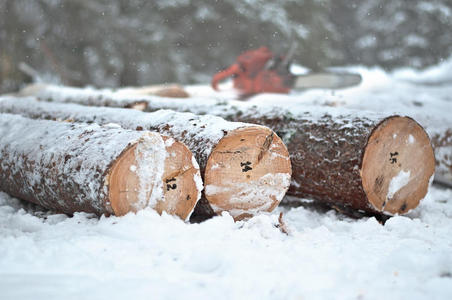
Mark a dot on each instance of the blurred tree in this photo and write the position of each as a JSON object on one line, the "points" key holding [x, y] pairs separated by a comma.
{"points": [[116, 43]]}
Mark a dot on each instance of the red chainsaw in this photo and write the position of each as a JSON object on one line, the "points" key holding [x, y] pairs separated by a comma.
{"points": [[260, 71]]}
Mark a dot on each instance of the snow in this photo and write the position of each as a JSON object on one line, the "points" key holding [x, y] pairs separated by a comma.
{"points": [[397, 183], [255, 193], [150, 155], [326, 255]]}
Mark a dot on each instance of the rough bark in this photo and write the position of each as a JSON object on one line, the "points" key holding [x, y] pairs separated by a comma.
{"points": [[71, 167], [246, 168]]}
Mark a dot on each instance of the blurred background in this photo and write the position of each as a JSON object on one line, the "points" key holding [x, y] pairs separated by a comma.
{"points": [[110, 43]]}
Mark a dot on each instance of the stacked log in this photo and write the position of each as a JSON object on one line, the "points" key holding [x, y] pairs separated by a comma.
{"points": [[246, 168], [71, 168], [362, 161], [439, 128]]}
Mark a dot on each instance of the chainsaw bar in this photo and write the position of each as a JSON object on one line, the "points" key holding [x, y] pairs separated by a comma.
{"points": [[326, 80]]}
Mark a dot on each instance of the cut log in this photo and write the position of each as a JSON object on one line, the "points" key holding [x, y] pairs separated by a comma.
{"points": [[87, 96], [164, 90], [442, 143], [327, 146], [246, 168], [71, 168]]}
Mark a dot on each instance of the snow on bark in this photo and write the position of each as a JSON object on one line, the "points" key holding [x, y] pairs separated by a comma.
{"points": [[314, 128], [326, 144], [199, 133]]}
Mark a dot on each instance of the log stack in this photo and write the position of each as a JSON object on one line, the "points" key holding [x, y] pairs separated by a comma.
{"points": [[246, 168], [71, 167], [348, 159], [438, 128]]}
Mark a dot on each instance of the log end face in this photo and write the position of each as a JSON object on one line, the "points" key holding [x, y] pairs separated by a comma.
{"points": [[173, 91], [398, 166], [248, 172], [156, 172], [182, 181]]}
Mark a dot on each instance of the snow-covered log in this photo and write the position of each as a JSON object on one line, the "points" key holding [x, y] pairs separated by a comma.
{"points": [[246, 168], [360, 160], [327, 147], [72, 167], [363, 160], [86, 96]]}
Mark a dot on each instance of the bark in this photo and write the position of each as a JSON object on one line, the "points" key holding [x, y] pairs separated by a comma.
{"points": [[71, 167], [246, 168]]}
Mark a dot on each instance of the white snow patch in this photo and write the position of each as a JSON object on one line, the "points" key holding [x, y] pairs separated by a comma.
{"points": [[397, 183], [150, 154], [257, 194], [328, 253], [215, 166], [169, 142], [112, 125], [411, 139], [133, 168]]}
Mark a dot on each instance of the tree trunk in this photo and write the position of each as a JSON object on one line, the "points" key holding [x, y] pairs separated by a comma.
{"points": [[246, 168], [71, 167]]}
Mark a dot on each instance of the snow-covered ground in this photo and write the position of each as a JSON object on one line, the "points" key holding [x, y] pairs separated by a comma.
{"points": [[326, 255], [147, 256]]}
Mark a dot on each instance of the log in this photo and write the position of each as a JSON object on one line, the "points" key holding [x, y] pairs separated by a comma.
{"points": [[442, 143], [86, 96], [246, 168], [164, 90], [314, 134], [107, 170]]}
